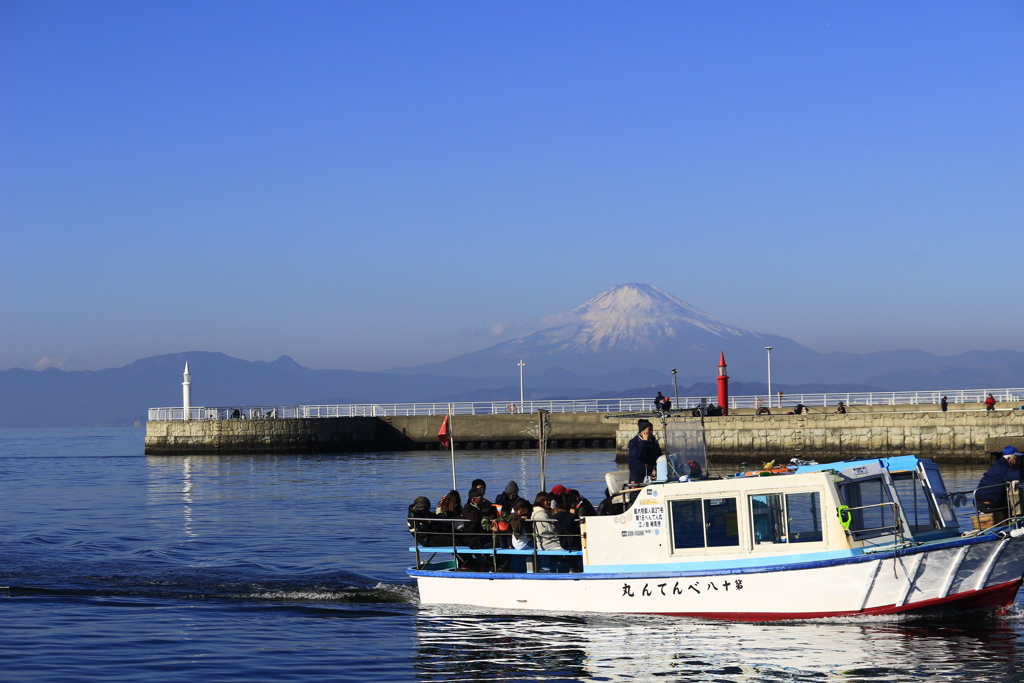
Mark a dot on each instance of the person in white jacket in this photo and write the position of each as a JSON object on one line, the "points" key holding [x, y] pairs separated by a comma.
{"points": [[544, 523]]}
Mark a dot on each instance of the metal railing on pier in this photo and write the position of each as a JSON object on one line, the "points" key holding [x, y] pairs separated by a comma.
{"points": [[593, 405]]}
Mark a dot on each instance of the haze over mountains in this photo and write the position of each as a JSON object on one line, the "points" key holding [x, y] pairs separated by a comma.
{"points": [[619, 343]]}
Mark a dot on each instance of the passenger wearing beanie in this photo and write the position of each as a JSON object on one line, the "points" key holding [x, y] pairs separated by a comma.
{"points": [[507, 499], [991, 494], [644, 452], [425, 532]]}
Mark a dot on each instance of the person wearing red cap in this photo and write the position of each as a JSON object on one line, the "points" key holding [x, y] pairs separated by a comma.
{"points": [[557, 492]]}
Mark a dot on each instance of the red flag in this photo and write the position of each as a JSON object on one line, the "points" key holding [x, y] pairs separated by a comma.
{"points": [[444, 435]]}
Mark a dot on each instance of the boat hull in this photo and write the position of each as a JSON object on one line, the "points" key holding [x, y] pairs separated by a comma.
{"points": [[983, 572]]}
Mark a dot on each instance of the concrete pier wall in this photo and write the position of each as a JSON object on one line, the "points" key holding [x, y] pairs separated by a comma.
{"points": [[956, 436], [370, 434], [961, 436]]}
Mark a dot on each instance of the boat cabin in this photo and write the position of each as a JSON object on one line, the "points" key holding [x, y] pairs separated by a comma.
{"points": [[794, 513], [763, 517]]}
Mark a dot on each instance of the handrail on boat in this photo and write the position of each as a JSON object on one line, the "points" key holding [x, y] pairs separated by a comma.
{"points": [[896, 526], [495, 535], [1013, 502]]}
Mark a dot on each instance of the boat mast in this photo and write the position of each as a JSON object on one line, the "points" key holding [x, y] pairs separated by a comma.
{"points": [[542, 446]]}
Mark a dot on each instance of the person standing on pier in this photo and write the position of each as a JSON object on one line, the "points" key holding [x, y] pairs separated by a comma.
{"points": [[644, 452], [990, 403], [944, 404]]}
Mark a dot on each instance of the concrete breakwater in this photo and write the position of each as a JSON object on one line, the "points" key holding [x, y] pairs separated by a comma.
{"points": [[961, 436], [373, 434], [956, 436]]}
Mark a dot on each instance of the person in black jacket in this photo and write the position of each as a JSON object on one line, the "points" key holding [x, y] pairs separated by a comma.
{"points": [[609, 506], [568, 526], [474, 513], [507, 498], [644, 452], [991, 493], [425, 532]]}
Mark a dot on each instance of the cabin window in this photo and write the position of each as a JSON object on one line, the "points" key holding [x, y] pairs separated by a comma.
{"points": [[871, 511], [704, 523], [918, 508], [939, 497], [786, 518]]}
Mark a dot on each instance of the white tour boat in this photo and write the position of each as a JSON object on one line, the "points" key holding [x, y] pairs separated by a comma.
{"points": [[863, 537]]}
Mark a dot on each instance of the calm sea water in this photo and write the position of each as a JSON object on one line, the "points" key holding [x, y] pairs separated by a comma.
{"points": [[118, 566]]}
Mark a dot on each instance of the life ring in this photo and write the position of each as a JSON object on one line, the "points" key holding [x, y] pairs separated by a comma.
{"points": [[763, 411], [512, 408]]}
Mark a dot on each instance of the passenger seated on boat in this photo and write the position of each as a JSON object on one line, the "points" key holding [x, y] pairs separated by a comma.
{"points": [[487, 505], [576, 504], [610, 505], [556, 497], [425, 532], [508, 497], [520, 525], [450, 507], [569, 522], [991, 493], [474, 513], [544, 523]]}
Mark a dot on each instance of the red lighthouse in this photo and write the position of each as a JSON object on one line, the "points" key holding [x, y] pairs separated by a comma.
{"points": [[723, 386]]}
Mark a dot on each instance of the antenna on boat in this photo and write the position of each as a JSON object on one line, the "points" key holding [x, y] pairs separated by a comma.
{"points": [[704, 441], [542, 445]]}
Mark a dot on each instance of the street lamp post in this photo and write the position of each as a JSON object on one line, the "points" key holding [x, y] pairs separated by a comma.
{"points": [[675, 389], [521, 364], [769, 350]]}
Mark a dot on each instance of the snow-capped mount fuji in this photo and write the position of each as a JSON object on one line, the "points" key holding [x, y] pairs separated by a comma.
{"points": [[629, 317], [631, 329]]}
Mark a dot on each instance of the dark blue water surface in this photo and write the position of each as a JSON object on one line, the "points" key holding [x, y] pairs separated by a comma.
{"points": [[117, 566]]}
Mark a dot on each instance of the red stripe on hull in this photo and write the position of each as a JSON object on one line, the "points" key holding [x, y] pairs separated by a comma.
{"points": [[993, 597]]}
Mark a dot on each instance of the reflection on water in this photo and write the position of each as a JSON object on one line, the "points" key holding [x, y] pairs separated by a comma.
{"points": [[454, 646], [291, 567]]}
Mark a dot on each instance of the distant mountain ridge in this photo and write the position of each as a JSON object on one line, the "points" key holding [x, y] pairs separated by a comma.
{"points": [[630, 336], [637, 328], [640, 331], [631, 317]]}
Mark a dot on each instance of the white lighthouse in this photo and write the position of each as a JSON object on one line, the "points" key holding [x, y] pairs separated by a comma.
{"points": [[186, 392]]}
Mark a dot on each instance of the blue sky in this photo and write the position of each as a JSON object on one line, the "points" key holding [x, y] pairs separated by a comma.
{"points": [[367, 185]]}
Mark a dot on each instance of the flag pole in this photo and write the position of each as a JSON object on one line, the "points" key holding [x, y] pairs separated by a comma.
{"points": [[451, 438]]}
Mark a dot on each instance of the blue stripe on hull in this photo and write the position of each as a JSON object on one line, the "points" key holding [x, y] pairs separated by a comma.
{"points": [[707, 571]]}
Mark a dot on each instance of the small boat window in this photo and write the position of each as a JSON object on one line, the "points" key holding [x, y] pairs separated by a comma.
{"points": [[786, 518], [918, 507], [704, 523], [939, 497], [870, 508]]}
